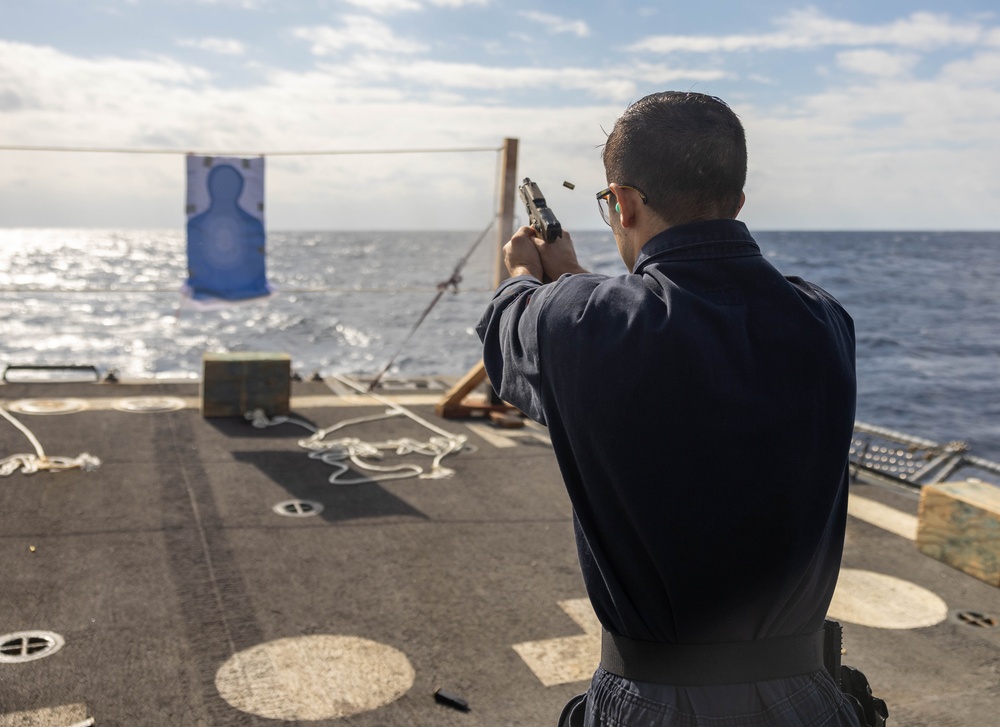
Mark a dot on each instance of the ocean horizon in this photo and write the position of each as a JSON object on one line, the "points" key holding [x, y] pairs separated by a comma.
{"points": [[925, 305]]}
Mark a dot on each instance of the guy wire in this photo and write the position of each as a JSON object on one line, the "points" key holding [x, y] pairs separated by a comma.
{"points": [[452, 283]]}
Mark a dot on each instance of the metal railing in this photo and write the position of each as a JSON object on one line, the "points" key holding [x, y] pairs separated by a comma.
{"points": [[881, 453]]}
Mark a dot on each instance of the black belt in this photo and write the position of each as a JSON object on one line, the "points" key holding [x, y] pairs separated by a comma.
{"points": [[736, 662]]}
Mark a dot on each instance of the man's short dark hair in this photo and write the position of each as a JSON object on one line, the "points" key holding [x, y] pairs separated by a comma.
{"points": [[686, 151]]}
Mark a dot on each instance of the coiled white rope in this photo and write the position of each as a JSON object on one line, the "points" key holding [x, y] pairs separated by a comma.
{"points": [[31, 463], [366, 455]]}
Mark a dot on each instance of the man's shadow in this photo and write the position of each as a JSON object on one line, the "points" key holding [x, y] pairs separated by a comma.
{"points": [[308, 479]]}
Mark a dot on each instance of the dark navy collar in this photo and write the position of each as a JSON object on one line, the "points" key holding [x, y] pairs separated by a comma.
{"points": [[698, 240]]}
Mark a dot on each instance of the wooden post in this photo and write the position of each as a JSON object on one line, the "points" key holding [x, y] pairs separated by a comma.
{"points": [[508, 195], [454, 404]]}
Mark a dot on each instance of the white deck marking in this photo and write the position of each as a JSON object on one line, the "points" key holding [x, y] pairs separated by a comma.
{"points": [[149, 404], [68, 714], [504, 438], [47, 406], [313, 402], [884, 602], [569, 658], [107, 403], [314, 677], [883, 516], [862, 597], [497, 437]]}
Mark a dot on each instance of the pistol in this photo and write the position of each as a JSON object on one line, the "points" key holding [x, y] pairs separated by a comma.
{"points": [[540, 215]]}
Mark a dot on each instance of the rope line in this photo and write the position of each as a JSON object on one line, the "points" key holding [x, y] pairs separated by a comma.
{"points": [[299, 153], [277, 290], [366, 455], [451, 283], [31, 463]]}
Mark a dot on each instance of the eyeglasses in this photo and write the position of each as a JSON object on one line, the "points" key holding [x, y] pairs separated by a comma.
{"points": [[604, 196]]}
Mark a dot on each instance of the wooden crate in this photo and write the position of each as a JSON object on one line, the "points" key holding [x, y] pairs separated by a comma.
{"points": [[959, 524], [235, 383]]}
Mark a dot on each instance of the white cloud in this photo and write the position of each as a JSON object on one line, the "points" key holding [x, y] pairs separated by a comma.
{"points": [[556, 24], [366, 102], [222, 46], [926, 31], [804, 29], [884, 152], [244, 4], [457, 3], [51, 81], [875, 148], [357, 31], [981, 69], [51, 98], [385, 7], [421, 76], [874, 62], [761, 79]]}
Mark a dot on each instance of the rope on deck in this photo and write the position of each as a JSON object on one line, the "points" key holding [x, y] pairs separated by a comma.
{"points": [[31, 463], [365, 455], [450, 284]]}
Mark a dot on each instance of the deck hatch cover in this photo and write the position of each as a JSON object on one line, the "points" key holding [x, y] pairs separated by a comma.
{"points": [[28, 646], [47, 406], [149, 404], [298, 508], [977, 619]]}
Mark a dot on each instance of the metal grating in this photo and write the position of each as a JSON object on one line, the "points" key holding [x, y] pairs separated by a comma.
{"points": [[885, 458], [977, 619], [298, 508], [884, 453], [28, 646]]}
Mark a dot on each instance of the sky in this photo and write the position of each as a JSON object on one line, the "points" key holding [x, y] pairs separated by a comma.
{"points": [[859, 115]]}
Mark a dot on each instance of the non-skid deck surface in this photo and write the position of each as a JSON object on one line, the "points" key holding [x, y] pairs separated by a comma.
{"points": [[183, 598]]}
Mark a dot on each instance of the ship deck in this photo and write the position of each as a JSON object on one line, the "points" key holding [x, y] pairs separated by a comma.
{"points": [[180, 596]]}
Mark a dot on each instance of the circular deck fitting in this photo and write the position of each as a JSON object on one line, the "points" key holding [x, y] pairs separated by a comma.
{"points": [[298, 508], [976, 619], [47, 406], [149, 404], [884, 602], [28, 646], [314, 677]]}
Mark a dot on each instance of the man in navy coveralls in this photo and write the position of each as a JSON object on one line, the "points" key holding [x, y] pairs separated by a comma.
{"points": [[701, 408]]}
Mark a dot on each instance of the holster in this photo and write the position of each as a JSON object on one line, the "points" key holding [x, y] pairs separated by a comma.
{"points": [[573, 713], [871, 711]]}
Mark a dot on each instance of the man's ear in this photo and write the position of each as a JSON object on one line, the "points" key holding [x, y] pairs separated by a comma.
{"points": [[743, 199], [626, 204]]}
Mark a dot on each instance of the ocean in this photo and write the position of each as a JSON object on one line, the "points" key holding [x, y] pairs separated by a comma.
{"points": [[926, 307]]}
